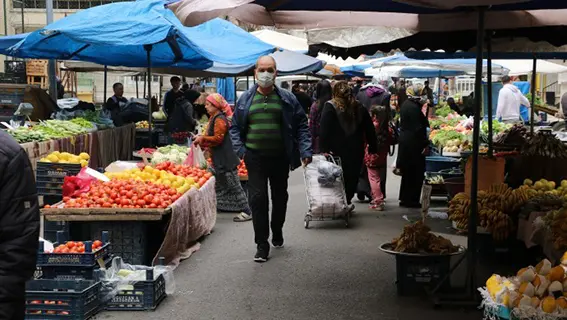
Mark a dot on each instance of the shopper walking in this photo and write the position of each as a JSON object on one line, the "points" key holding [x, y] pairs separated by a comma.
{"points": [[324, 93], [230, 194], [269, 129], [19, 227], [372, 94], [509, 101], [346, 129], [413, 146], [376, 163]]}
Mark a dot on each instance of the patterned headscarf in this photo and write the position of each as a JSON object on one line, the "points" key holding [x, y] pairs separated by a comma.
{"points": [[342, 95], [416, 92], [220, 103]]}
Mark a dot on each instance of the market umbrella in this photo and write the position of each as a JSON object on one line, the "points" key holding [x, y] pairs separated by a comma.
{"points": [[102, 36]]}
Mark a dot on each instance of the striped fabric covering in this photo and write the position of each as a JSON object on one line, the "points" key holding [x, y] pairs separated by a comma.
{"points": [[264, 125]]}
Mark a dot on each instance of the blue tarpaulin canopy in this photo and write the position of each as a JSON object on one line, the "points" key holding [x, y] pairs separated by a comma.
{"points": [[225, 86], [387, 72], [118, 34], [8, 41]]}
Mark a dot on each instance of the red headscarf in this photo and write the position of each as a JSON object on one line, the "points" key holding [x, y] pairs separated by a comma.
{"points": [[220, 103]]}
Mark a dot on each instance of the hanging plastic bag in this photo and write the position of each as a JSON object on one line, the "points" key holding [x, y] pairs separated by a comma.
{"points": [[189, 160], [75, 185], [199, 157]]}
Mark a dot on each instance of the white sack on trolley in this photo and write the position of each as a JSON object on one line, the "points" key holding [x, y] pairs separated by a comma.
{"points": [[324, 199]]}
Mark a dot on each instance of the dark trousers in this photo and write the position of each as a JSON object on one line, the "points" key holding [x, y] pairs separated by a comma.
{"points": [[261, 170]]}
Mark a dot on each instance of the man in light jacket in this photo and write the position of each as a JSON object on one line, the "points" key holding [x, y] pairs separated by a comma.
{"points": [[509, 101], [269, 130]]}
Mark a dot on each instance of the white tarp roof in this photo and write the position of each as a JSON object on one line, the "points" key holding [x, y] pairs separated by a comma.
{"points": [[348, 37], [520, 67], [339, 62], [282, 40]]}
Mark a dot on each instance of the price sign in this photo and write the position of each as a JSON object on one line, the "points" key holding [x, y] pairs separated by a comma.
{"points": [[425, 199]]}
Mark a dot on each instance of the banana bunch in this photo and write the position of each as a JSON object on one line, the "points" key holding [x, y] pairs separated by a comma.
{"points": [[459, 208], [496, 222]]}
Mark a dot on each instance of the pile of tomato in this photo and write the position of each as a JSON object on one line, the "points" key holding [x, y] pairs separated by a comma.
{"points": [[201, 176], [124, 194], [75, 247], [242, 171]]}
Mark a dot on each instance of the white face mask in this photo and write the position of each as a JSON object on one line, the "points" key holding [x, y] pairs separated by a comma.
{"points": [[265, 79]]}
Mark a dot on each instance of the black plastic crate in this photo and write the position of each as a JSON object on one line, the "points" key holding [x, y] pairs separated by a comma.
{"points": [[86, 259], [53, 191], [145, 295], [50, 229], [60, 299], [414, 273], [72, 272], [129, 239], [56, 170]]}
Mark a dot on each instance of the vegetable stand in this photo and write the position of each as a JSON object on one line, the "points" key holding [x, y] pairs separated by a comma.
{"points": [[180, 225], [104, 146]]}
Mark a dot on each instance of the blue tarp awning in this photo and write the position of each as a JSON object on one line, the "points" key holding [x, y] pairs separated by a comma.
{"points": [[8, 41], [102, 36]]}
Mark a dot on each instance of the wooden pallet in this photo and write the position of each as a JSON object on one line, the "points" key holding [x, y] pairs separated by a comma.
{"points": [[59, 213]]}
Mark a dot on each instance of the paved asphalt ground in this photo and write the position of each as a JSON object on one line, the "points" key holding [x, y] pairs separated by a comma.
{"points": [[327, 272]]}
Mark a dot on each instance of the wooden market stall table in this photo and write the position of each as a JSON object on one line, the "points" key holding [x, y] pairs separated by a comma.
{"points": [[178, 227], [104, 146]]}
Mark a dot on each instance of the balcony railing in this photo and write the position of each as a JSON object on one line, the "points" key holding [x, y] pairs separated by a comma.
{"points": [[62, 4]]}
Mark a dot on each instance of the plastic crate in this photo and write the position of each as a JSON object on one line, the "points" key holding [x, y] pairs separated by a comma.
{"points": [[414, 273], [60, 299], [56, 170], [438, 163], [128, 238], [71, 272], [86, 259], [50, 229], [145, 295]]}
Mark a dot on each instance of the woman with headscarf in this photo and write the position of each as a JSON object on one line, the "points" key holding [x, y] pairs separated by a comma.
{"points": [[413, 146], [230, 194], [181, 118], [346, 129], [324, 93]]}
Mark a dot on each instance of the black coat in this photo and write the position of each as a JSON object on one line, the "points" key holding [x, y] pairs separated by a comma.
{"points": [[181, 118], [19, 226]]}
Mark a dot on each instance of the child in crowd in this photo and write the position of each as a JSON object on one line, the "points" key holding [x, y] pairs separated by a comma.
{"points": [[374, 162]]}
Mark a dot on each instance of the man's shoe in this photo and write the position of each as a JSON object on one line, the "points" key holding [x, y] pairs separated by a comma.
{"points": [[278, 244], [261, 255]]}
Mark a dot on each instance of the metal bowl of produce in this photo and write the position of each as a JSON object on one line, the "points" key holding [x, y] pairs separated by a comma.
{"points": [[389, 249]]}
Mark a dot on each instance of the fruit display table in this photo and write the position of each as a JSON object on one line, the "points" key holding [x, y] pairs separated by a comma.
{"points": [[104, 146], [189, 218]]}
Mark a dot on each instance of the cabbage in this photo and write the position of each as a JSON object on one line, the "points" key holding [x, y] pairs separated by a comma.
{"points": [[177, 157]]}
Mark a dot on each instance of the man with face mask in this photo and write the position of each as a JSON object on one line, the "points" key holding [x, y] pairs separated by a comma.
{"points": [[269, 130]]}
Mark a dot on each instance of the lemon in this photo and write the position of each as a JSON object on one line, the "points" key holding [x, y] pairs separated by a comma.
{"points": [[44, 160], [529, 182], [538, 185], [52, 158], [63, 161], [66, 156], [551, 184], [84, 156], [84, 163], [56, 153]]}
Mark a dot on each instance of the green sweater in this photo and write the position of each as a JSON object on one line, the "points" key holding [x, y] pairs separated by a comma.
{"points": [[264, 125]]}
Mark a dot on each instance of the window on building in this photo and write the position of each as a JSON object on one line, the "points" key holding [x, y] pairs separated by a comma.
{"points": [[61, 4]]}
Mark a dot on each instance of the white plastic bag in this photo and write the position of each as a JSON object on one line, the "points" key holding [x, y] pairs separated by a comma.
{"points": [[324, 201], [122, 276], [328, 173]]}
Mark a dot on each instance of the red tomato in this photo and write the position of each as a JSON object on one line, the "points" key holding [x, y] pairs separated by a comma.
{"points": [[97, 244]]}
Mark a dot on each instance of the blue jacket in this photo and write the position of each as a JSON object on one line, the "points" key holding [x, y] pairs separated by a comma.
{"points": [[296, 136]]}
